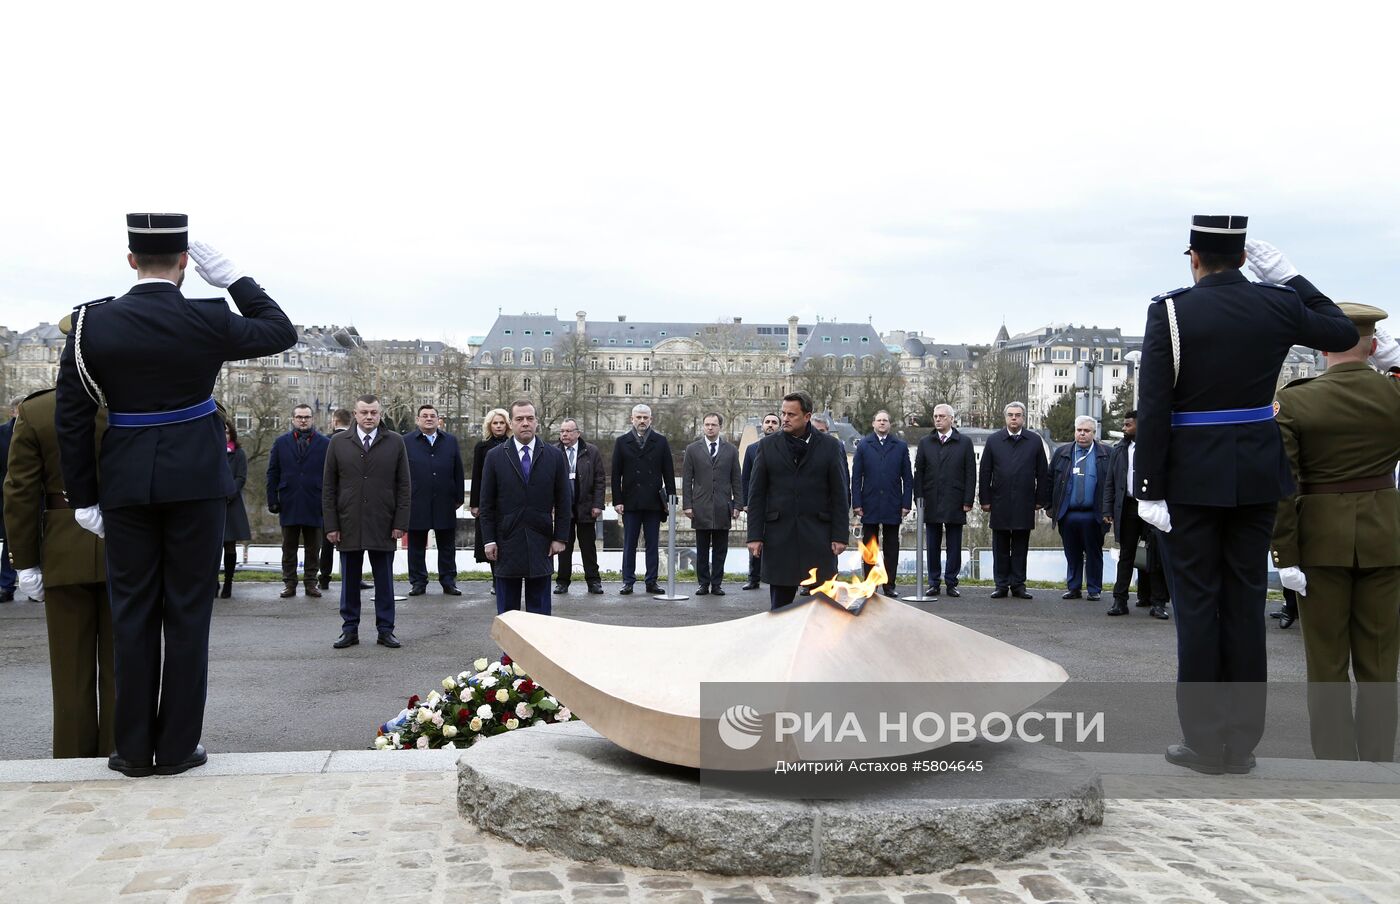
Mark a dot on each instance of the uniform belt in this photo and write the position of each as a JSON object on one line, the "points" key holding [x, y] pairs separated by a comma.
{"points": [[160, 418], [1359, 485], [1223, 416], [55, 501]]}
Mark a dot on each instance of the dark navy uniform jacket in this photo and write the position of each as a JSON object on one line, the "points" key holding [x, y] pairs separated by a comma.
{"points": [[1234, 335], [155, 350]]}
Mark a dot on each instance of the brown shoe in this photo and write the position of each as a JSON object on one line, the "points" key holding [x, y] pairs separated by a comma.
{"points": [[312, 589], [289, 591]]}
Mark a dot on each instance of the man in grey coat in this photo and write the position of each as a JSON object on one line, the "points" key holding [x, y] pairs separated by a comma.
{"points": [[710, 475], [1014, 485], [365, 501]]}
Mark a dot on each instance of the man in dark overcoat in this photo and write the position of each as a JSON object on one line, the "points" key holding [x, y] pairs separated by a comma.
{"points": [[643, 482], [770, 426], [798, 502], [439, 489], [882, 492], [158, 490], [8, 575], [711, 481], [1013, 485], [588, 478], [945, 477], [525, 501], [365, 499], [1211, 469], [294, 470], [1129, 530]]}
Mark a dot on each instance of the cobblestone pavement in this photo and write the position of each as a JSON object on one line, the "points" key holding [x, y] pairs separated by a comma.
{"points": [[363, 836]]}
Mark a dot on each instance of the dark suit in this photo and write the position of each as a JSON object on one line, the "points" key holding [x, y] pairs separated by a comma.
{"points": [[8, 575], [163, 489], [750, 455], [1222, 483], [327, 547], [590, 491], [439, 489], [294, 474], [713, 491], [1014, 481], [643, 479], [945, 477], [797, 508], [1129, 530], [523, 515]]}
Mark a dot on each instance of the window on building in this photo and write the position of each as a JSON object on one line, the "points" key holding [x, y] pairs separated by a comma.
{"points": [[549, 356], [1116, 371], [694, 389], [845, 340], [549, 332], [1117, 354], [592, 363], [1083, 354], [826, 339], [629, 363], [486, 385], [527, 384], [646, 389], [507, 357], [846, 390], [612, 390], [529, 332], [626, 388], [612, 364], [507, 332], [527, 356], [680, 389], [665, 389], [646, 364]]}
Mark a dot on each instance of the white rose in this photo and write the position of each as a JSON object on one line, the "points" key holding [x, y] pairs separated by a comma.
{"points": [[434, 698], [448, 684], [488, 682], [462, 677], [524, 710], [484, 713], [502, 695], [563, 715], [422, 743], [517, 669], [515, 685], [450, 731], [474, 725], [511, 724], [437, 719], [381, 742], [425, 716], [396, 739], [480, 664]]}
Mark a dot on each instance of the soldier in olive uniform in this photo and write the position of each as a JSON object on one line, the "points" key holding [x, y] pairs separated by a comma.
{"points": [[1335, 544], [64, 563]]}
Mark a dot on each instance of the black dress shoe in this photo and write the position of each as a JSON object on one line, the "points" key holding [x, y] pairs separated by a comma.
{"points": [[953, 592], [595, 588], [655, 590], [198, 758], [1277, 613], [1094, 597], [366, 585], [931, 591], [718, 591], [1287, 619], [1236, 765], [389, 640], [891, 591], [417, 590], [1158, 612], [561, 588], [1070, 595], [8, 596], [1181, 755], [346, 640], [702, 591], [324, 583], [118, 764], [751, 585], [1023, 594], [451, 590], [1000, 593], [626, 590], [1119, 608]]}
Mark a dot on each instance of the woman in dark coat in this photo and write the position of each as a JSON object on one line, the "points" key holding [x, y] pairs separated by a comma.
{"points": [[236, 517], [495, 429]]}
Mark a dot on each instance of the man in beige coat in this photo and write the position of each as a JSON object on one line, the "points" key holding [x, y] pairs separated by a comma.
{"points": [[365, 497]]}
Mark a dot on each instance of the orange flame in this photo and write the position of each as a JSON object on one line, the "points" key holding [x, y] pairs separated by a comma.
{"points": [[845, 592]]}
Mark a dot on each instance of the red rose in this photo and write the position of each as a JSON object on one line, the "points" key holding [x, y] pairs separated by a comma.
{"points": [[505, 660], [527, 687], [463, 715], [413, 701]]}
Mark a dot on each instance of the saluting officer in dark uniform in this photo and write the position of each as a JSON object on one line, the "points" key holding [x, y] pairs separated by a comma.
{"points": [[1210, 469], [151, 357]]}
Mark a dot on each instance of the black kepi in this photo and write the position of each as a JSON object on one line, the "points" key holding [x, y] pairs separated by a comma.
{"points": [[157, 233], [1217, 234]]}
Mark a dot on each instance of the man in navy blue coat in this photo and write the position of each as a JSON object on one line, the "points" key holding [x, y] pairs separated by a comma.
{"points": [[1210, 470], [882, 491], [294, 469], [439, 489], [525, 502]]}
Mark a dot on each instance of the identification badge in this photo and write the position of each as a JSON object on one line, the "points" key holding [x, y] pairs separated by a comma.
{"points": [[1076, 472]]}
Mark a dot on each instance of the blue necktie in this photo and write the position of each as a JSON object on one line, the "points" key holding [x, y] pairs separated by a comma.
{"points": [[525, 462]]}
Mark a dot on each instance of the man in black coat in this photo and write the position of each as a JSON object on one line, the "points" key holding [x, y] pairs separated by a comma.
{"points": [[798, 503], [152, 357], [8, 575], [588, 478], [945, 477], [1014, 485], [340, 422], [1129, 530], [525, 501], [1079, 508], [439, 489], [770, 426], [295, 467], [643, 480], [1211, 469]]}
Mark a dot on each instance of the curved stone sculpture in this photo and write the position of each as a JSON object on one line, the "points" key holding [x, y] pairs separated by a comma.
{"points": [[641, 687]]}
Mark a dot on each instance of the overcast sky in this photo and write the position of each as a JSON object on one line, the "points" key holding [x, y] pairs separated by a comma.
{"points": [[413, 168]]}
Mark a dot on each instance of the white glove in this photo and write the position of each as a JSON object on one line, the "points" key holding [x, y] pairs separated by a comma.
{"points": [[31, 583], [1387, 351], [1154, 512], [1268, 263], [1293, 579], [90, 519], [211, 265]]}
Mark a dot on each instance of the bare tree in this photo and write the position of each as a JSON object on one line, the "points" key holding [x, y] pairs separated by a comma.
{"points": [[996, 381], [881, 387], [822, 379], [942, 386]]}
